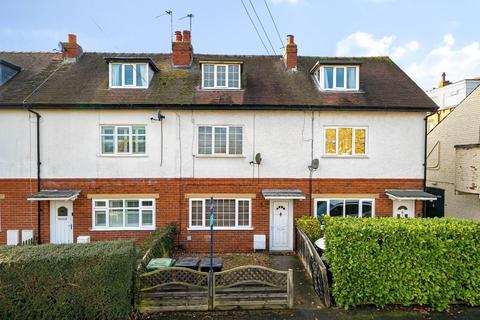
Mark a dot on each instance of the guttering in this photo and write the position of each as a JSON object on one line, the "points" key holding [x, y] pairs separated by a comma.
{"points": [[219, 106], [424, 211], [39, 177]]}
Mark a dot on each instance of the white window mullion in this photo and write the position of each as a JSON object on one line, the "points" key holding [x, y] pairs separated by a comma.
{"points": [[203, 213], [236, 212], [213, 140], [227, 140]]}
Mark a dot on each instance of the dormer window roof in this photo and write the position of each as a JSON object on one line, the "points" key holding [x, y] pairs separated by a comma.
{"points": [[7, 71], [221, 74], [130, 72], [337, 77]]}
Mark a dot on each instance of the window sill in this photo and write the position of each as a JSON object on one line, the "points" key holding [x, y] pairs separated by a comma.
{"points": [[238, 156], [345, 157], [123, 229], [129, 87], [99, 155], [221, 229], [222, 89]]}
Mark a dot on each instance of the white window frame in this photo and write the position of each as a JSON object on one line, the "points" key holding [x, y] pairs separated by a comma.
{"points": [[226, 154], [319, 76], [115, 141], [206, 215], [336, 154], [360, 209], [124, 228], [226, 87], [130, 86]]}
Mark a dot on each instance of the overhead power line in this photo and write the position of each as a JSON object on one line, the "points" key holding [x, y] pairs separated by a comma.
{"points": [[274, 24], [261, 25], [255, 27]]}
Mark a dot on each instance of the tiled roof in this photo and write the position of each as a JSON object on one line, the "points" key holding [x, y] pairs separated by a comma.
{"points": [[265, 85]]}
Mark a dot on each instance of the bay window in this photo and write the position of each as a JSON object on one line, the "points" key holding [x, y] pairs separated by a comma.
{"points": [[345, 141], [128, 214], [227, 213]]}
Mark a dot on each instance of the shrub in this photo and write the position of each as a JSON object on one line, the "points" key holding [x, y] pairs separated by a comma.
{"points": [[310, 226], [161, 243], [404, 261], [76, 281]]}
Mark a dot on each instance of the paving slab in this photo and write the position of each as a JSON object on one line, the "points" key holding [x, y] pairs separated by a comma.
{"points": [[305, 295]]}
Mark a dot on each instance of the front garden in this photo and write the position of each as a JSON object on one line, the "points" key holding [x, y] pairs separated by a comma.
{"points": [[388, 261]]}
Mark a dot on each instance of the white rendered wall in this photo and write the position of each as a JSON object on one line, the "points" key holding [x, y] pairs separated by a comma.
{"points": [[70, 145]]}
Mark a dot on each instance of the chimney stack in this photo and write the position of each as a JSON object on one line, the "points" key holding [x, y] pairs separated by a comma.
{"points": [[444, 82], [290, 56], [71, 50], [182, 50]]}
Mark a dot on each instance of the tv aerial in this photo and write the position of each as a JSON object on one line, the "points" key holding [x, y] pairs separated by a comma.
{"points": [[189, 16]]}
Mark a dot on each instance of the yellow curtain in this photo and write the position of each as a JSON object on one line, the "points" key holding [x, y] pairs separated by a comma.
{"points": [[360, 141], [330, 141], [345, 141]]}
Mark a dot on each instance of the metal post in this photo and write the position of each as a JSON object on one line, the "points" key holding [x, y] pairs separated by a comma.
{"points": [[210, 278]]}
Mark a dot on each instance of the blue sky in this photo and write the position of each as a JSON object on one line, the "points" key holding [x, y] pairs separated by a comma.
{"points": [[425, 37]]}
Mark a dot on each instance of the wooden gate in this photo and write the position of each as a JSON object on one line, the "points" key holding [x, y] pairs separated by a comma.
{"points": [[253, 287], [247, 287]]}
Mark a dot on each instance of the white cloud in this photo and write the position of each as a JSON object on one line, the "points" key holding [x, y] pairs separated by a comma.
{"points": [[449, 39], [365, 44], [457, 63]]}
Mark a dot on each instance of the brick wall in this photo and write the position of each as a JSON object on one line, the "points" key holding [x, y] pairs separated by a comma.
{"points": [[172, 206]]}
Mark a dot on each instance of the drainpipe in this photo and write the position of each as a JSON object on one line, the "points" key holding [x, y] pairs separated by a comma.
{"points": [[39, 181], [424, 214]]}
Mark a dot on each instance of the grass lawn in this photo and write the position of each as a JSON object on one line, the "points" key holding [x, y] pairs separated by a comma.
{"points": [[232, 260]]}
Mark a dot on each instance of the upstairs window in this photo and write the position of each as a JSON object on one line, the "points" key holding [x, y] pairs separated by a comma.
{"points": [[345, 141], [220, 140], [123, 140], [221, 76], [338, 77], [129, 75], [7, 72]]}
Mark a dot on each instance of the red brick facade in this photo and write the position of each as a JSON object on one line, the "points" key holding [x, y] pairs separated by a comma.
{"points": [[172, 205]]}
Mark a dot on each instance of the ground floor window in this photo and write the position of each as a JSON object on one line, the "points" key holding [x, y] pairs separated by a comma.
{"points": [[364, 208], [227, 213], [128, 214]]}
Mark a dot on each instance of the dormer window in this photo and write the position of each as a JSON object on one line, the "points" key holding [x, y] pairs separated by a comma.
{"points": [[130, 72], [7, 71], [221, 76], [337, 78]]}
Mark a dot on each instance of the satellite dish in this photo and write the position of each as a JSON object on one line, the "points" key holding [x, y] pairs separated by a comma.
{"points": [[314, 165], [258, 158]]}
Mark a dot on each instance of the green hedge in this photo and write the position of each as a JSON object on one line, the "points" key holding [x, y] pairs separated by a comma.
{"points": [[310, 226], [404, 261], [77, 281]]}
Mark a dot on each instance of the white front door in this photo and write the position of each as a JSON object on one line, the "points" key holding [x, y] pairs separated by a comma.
{"points": [[281, 225], [404, 208], [61, 222]]}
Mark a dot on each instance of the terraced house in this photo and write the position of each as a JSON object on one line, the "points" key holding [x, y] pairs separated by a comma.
{"points": [[109, 145]]}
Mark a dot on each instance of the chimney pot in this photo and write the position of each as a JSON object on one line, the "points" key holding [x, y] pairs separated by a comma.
{"points": [[72, 38], [290, 56], [178, 36], [290, 39], [186, 35]]}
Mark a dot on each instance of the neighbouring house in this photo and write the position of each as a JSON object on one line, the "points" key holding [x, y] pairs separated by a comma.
{"points": [[113, 145], [447, 96], [453, 163]]}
